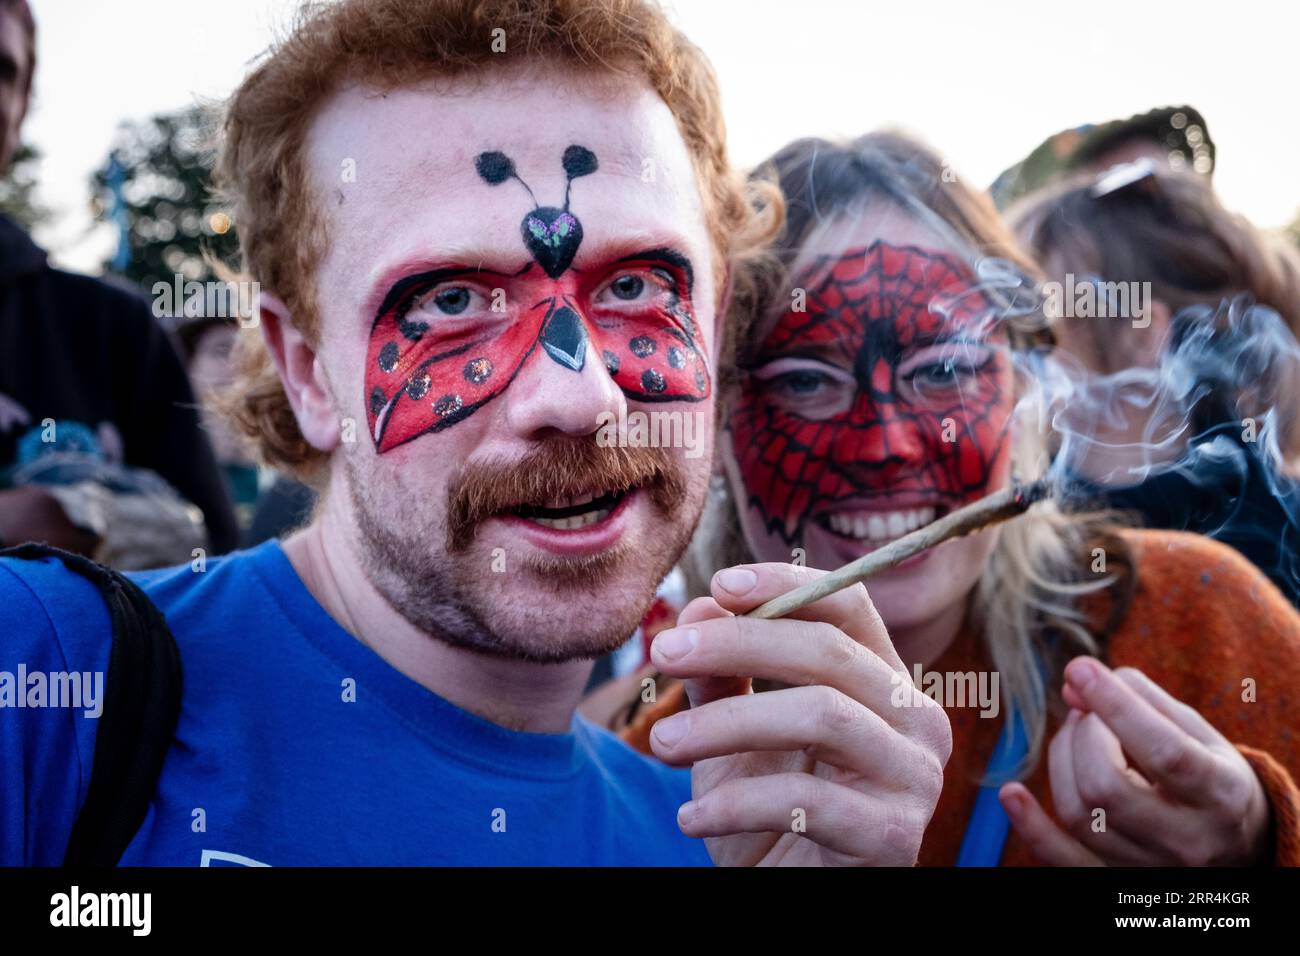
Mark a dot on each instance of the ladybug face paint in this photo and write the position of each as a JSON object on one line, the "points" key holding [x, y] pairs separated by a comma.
{"points": [[884, 385], [439, 351]]}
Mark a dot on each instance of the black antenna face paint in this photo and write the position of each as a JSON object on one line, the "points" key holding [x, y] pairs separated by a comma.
{"points": [[552, 236]]}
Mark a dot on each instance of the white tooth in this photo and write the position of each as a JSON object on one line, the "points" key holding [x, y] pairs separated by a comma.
{"points": [[602, 514], [876, 527], [927, 515], [841, 524], [859, 526], [897, 525], [583, 499], [913, 520]]}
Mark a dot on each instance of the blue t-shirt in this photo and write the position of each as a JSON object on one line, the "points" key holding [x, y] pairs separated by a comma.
{"points": [[297, 745]]}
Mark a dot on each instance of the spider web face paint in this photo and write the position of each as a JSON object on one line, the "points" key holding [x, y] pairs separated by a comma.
{"points": [[423, 376], [869, 313]]}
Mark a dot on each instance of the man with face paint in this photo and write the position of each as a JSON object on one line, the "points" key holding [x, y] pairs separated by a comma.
{"points": [[474, 244]]}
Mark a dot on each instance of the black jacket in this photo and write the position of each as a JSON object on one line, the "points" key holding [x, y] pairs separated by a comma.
{"points": [[77, 349]]}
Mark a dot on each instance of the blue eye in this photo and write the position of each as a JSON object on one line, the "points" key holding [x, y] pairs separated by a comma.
{"points": [[627, 287], [452, 301]]}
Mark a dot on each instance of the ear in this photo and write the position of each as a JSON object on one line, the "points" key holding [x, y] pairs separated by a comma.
{"points": [[301, 374]]}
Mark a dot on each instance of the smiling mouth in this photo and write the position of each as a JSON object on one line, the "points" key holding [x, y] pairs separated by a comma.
{"points": [[571, 514], [873, 528]]}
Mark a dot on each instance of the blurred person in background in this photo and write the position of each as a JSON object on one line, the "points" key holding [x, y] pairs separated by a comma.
{"points": [[887, 377], [268, 504], [1172, 136], [1205, 375], [101, 451], [206, 344]]}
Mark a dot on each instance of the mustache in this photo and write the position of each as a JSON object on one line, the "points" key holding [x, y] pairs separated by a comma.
{"points": [[559, 469]]}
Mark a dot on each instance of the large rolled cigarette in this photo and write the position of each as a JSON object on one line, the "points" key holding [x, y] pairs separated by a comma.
{"points": [[990, 510]]}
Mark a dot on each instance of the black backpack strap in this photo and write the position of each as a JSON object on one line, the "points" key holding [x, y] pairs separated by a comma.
{"points": [[142, 702]]}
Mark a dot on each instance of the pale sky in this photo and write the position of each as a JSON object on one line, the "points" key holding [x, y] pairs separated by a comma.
{"points": [[982, 82]]}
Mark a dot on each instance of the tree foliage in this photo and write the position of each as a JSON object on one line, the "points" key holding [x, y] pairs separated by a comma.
{"points": [[155, 187]]}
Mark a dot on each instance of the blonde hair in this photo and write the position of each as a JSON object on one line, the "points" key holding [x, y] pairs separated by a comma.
{"points": [[1033, 595], [392, 43]]}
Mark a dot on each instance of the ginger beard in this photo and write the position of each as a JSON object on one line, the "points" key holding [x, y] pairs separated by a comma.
{"points": [[552, 553], [446, 572], [876, 409]]}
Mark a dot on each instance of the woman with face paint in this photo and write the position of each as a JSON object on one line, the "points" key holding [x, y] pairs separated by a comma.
{"points": [[886, 379]]}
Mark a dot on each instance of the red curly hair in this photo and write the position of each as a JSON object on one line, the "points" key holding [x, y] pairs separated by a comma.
{"points": [[393, 43]]}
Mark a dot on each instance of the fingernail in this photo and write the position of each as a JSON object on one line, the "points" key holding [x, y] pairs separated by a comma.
{"points": [[677, 642], [1011, 802], [670, 730], [1083, 673], [737, 580], [686, 813]]}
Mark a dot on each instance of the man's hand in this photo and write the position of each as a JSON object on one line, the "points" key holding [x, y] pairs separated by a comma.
{"points": [[1173, 789], [829, 770], [29, 513]]}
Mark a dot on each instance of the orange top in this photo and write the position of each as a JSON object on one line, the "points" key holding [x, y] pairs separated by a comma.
{"points": [[1203, 619]]}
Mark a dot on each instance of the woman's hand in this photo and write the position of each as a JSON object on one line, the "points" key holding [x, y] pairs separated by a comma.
{"points": [[1171, 789], [843, 766]]}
